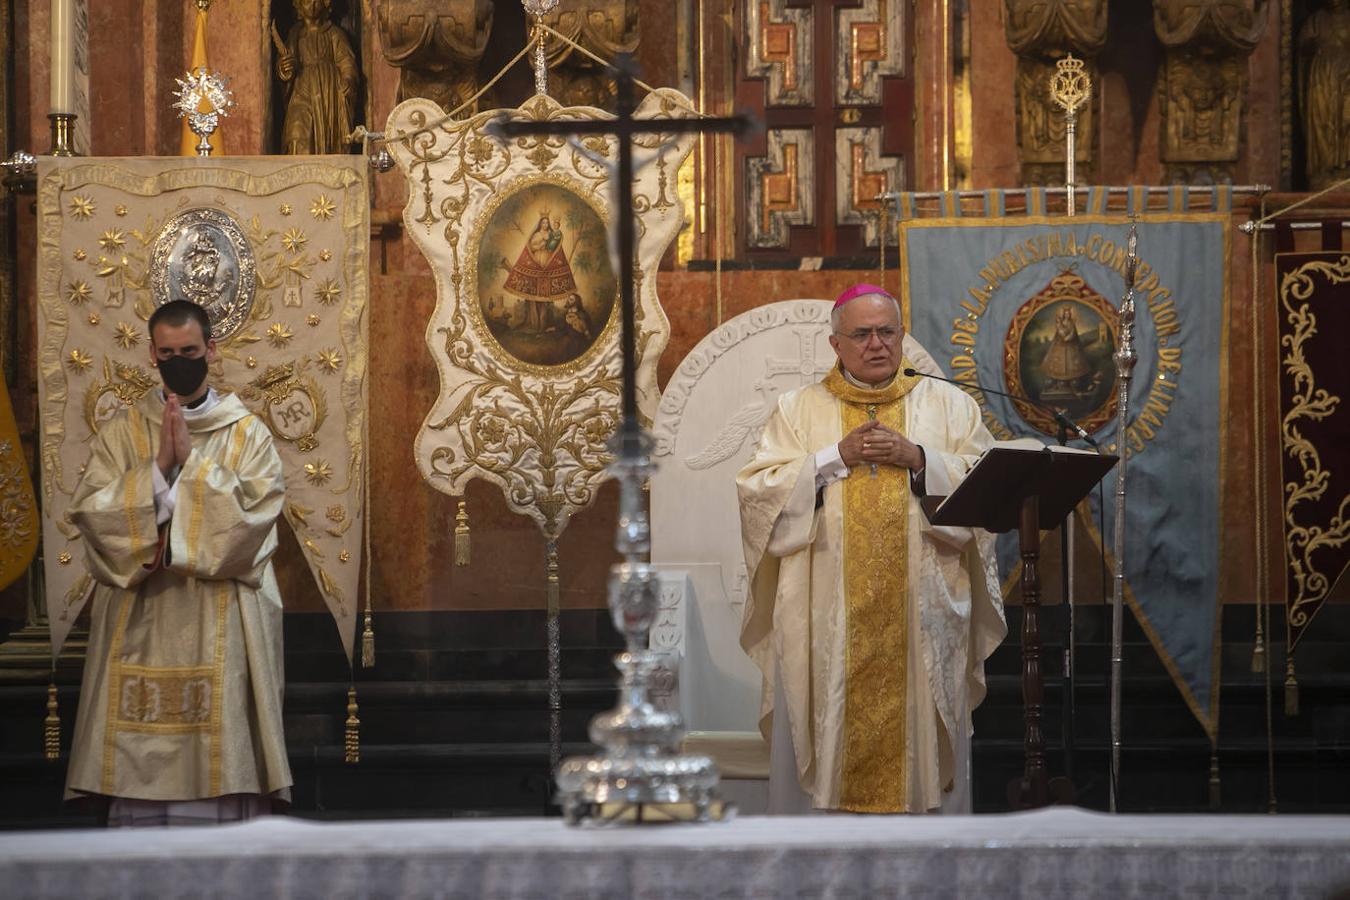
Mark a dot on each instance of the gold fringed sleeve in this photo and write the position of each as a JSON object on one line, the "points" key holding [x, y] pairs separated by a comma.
{"points": [[1290, 688], [51, 726], [462, 535], [352, 739]]}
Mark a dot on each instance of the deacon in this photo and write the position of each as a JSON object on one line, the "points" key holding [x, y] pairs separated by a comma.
{"points": [[180, 708], [870, 625]]}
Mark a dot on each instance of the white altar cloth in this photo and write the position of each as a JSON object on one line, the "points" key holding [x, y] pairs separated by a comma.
{"points": [[1044, 854]]}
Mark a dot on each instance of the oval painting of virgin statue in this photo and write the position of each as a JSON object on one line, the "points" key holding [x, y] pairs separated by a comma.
{"points": [[546, 289]]}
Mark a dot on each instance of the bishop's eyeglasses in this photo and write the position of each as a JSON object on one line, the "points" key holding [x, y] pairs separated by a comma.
{"points": [[863, 336]]}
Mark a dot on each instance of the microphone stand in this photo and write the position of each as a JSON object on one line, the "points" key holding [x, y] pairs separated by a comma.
{"points": [[1064, 426]]}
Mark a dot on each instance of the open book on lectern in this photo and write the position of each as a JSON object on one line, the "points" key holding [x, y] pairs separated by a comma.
{"points": [[992, 494]]}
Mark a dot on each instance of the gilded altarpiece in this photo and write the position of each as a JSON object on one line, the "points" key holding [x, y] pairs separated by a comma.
{"points": [[525, 334], [1202, 89], [831, 81], [276, 250], [1041, 32]]}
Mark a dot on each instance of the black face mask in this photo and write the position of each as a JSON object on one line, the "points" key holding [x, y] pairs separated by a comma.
{"points": [[183, 375]]}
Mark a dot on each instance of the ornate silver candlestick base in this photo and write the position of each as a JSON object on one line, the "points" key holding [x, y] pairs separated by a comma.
{"points": [[640, 767]]}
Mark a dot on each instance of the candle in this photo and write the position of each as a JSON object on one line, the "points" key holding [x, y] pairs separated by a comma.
{"points": [[62, 56]]}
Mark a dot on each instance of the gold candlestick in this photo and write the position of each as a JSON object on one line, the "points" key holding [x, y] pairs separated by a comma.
{"points": [[1070, 88], [63, 133]]}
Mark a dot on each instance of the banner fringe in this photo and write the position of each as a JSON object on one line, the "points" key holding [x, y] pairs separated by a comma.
{"points": [[352, 739], [462, 535], [51, 726]]}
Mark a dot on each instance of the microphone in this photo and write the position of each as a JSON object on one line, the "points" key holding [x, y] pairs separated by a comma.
{"points": [[1058, 415]]}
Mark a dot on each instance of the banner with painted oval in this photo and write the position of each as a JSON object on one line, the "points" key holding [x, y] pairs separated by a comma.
{"points": [[1029, 306]]}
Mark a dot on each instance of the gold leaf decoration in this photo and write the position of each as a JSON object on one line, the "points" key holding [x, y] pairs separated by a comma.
{"points": [[313, 548], [80, 254], [251, 362], [120, 210], [312, 320], [79, 292], [299, 513], [318, 473], [82, 207], [322, 208], [279, 334], [328, 293], [79, 361], [113, 239], [285, 209], [94, 319], [325, 254], [126, 337], [344, 556], [329, 360], [293, 239], [336, 513]]}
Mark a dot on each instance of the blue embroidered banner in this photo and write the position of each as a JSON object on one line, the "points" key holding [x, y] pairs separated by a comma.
{"points": [[1028, 305]]}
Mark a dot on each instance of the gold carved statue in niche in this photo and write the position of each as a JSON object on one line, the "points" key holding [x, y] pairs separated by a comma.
{"points": [[1204, 83], [436, 45], [604, 27], [318, 66], [1324, 93], [1040, 32]]}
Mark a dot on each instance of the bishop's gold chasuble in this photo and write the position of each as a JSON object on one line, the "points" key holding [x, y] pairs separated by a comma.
{"points": [[872, 623], [876, 601]]}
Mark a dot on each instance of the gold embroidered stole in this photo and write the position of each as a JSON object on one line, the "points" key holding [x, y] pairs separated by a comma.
{"points": [[874, 775]]}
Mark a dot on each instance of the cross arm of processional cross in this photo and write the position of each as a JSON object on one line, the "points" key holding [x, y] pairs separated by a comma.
{"points": [[625, 128]]}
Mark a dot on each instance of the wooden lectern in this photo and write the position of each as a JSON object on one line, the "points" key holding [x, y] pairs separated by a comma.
{"points": [[1030, 490]]}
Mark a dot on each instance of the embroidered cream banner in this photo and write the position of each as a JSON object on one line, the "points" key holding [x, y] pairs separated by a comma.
{"points": [[276, 251], [525, 333]]}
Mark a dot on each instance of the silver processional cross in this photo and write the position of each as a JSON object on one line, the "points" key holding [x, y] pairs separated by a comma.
{"points": [[639, 765]]}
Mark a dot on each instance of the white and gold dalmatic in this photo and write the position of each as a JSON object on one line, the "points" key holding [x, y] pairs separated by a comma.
{"points": [[182, 690], [869, 623]]}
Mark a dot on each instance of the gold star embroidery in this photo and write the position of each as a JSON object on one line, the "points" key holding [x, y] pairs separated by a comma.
{"points": [[78, 292], [80, 255], [285, 209], [293, 239], [82, 207], [322, 208], [318, 472], [126, 336], [328, 293], [112, 239], [64, 559], [325, 254], [344, 556], [94, 319], [312, 320], [120, 210], [329, 360], [79, 361], [279, 334]]}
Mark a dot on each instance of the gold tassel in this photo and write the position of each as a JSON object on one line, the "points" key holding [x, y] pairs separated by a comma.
{"points": [[51, 726], [462, 536], [1290, 688], [368, 642], [352, 740], [554, 593], [1215, 786]]}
